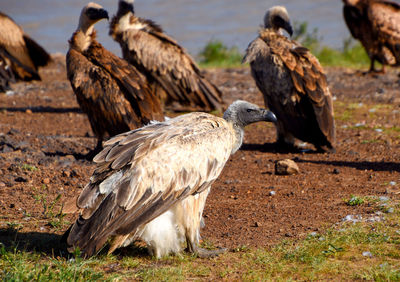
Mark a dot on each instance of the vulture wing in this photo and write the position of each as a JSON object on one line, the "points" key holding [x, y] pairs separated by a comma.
{"points": [[171, 67], [112, 92], [142, 173], [385, 20], [23, 52]]}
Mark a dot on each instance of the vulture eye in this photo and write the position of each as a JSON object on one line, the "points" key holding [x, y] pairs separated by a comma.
{"points": [[249, 110]]}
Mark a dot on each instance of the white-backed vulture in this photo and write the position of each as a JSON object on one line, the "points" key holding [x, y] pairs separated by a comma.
{"points": [[173, 73], [152, 183], [113, 94], [293, 84], [376, 23], [20, 56]]}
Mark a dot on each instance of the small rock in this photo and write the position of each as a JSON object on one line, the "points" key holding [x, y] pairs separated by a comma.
{"points": [[336, 171], [46, 181], [257, 224], [383, 199], [2, 184], [272, 193], [20, 179], [12, 206], [390, 210], [28, 111], [286, 167], [392, 183], [367, 254], [66, 173]]}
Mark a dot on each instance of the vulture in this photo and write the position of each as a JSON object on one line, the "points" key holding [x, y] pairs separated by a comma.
{"points": [[376, 23], [152, 183], [20, 55], [114, 94], [293, 84], [173, 74]]}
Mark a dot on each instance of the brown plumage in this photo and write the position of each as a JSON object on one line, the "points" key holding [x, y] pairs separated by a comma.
{"points": [[113, 94], [20, 56], [173, 73], [376, 23], [293, 84], [152, 183]]}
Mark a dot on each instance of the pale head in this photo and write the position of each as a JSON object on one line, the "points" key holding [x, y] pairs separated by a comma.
{"points": [[91, 14], [242, 113], [276, 18]]}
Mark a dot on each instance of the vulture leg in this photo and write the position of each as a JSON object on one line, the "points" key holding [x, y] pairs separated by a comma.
{"points": [[201, 252], [372, 69], [284, 138]]}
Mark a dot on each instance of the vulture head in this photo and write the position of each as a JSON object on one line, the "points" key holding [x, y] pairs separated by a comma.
{"points": [[276, 18], [125, 6], [242, 113], [91, 14]]}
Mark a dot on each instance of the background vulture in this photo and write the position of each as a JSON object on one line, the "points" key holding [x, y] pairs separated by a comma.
{"points": [[152, 183], [113, 94], [293, 84], [376, 23], [20, 56], [173, 73]]}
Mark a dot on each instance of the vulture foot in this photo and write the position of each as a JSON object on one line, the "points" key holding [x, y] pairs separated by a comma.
{"points": [[204, 253]]}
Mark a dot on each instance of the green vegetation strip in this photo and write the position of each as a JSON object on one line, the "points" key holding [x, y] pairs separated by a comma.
{"points": [[352, 54], [363, 250]]}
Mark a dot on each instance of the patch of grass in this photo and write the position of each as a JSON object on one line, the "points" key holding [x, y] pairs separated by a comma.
{"points": [[29, 167], [50, 210], [355, 201], [216, 54]]}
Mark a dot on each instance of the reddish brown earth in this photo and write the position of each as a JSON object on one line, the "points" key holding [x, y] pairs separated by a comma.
{"points": [[44, 135]]}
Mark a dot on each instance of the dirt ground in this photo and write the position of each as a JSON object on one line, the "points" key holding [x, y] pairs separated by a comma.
{"points": [[44, 135]]}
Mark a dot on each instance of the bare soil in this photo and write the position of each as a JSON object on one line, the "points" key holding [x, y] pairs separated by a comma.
{"points": [[44, 136]]}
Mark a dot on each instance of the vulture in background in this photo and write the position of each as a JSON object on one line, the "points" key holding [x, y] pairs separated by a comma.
{"points": [[174, 75], [293, 84], [20, 56], [376, 23], [113, 94], [152, 183]]}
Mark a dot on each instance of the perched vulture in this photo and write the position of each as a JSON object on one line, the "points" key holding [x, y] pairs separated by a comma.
{"points": [[152, 183], [293, 84], [20, 56], [114, 95], [376, 23], [174, 75]]}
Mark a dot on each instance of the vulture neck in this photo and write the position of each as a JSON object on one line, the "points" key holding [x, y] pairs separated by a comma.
{"points": [[239, 133], [83, 37]]}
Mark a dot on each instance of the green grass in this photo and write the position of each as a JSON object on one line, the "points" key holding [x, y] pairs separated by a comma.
{"points": [[352, 54], [216, 54], [347, 251]]}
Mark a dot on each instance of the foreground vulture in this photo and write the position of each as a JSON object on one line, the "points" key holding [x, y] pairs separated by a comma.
{"points": [[293, 84], [20, 56], [173, 73], [113, 94], [152, 183], [376, 23]]}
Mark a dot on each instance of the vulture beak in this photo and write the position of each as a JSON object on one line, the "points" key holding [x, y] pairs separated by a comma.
{"points": [[269, 116], [97, 14], [288, 27]]}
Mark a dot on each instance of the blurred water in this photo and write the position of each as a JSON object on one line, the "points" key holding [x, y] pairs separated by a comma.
{"points": [[191, 22]]}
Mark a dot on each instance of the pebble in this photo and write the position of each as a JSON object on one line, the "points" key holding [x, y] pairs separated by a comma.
{"points": [[383, 199], [367, 254], [393, 183], [272, 193], [2, 184], [20, 179], [286, 167], [379, 130], [46, 181], [28, 111], [336, 171]]}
